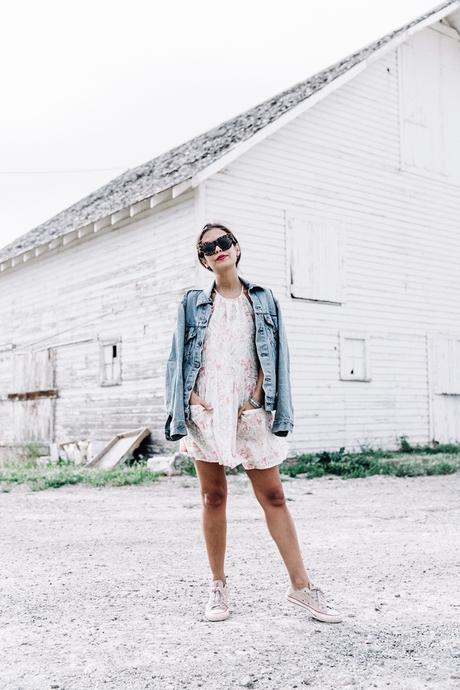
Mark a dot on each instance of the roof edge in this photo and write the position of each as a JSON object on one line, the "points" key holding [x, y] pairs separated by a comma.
{"points": [[112, 221]]}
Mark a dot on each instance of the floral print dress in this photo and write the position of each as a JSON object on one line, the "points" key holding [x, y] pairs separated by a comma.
{"points": [[227, 378]]}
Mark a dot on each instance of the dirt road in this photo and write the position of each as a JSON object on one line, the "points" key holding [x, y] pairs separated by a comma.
{"points": [[105, 588]]}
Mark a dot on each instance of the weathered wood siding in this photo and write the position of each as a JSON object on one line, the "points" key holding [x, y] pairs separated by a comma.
{"points": [[122, 283], [340, 163], [344, 164]]}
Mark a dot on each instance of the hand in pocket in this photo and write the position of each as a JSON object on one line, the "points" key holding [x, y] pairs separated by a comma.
{"points": [[196, 400], [247, 407]]}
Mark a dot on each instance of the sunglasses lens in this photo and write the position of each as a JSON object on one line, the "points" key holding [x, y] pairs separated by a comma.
{"points": [[224, 242], [208, 248]]}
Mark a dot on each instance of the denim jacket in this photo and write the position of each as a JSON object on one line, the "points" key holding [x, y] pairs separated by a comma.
{"points": [[184, 360]]}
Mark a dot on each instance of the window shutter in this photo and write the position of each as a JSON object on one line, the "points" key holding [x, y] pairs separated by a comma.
{"points": [[315, 258], [447, 365], [354, 357], [429, 65]]}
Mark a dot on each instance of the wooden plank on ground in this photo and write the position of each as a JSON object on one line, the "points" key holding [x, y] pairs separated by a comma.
{"points": [[118, 449]]}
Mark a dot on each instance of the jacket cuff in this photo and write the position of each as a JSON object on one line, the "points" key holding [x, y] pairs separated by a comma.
{"points": [[176, 432], [281, 427]]}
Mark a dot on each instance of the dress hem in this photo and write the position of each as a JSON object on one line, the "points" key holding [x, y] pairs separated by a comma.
{"points": [[232, 467]]}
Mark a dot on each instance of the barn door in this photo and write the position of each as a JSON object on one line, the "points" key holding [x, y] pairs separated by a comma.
{"points": [[33, 396], [445, 388]]}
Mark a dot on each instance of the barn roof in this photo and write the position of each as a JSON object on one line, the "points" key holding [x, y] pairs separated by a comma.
{"points": [[182, 162]]}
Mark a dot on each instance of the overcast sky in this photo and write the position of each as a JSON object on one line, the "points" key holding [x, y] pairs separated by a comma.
{"points": [[94, 88]]}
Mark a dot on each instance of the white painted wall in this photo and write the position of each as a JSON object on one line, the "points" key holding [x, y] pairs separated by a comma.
{"points": [[125, 282], [340, 164]]}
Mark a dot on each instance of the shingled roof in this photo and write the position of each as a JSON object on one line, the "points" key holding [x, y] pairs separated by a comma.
{"points": [[182, 162]]}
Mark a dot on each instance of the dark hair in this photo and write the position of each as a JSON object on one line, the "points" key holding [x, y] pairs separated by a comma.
{"points": [[207, 227]]}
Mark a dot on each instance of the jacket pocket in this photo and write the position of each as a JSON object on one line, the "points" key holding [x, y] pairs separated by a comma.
{"points": [[271, 319]]}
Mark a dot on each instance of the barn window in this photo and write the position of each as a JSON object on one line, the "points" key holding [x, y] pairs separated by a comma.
{"points": [[354, 357], [110, 361], [447, 365], [315, 251], [429, 65]]}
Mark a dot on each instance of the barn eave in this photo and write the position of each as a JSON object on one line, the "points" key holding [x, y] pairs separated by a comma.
{"points": [[112, 221]]}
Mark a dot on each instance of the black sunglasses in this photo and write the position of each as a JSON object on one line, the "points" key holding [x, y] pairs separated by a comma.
{"points": [[224, 242]]}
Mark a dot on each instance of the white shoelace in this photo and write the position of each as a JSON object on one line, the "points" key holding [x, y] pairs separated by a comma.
{"points": [[217, 597], [320, 597]]}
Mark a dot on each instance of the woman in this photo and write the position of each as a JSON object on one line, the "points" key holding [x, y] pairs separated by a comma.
{"points": [[227, 372]]}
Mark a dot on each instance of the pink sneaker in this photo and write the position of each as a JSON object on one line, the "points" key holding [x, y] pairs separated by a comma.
{"points": [[217, 606], [314, 600]]}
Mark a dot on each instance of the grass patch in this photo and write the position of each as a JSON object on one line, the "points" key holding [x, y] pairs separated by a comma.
{"points": [[406, 461], [53, 475]]}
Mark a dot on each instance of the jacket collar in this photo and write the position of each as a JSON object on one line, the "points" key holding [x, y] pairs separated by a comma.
{"points": [[205, 294]]}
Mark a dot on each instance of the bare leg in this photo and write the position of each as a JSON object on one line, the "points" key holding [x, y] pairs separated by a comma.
{"points": [[269, 492], [214, 514]]}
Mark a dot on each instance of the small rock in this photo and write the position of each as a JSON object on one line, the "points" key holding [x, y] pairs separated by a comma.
{"points": [[164, 464]]}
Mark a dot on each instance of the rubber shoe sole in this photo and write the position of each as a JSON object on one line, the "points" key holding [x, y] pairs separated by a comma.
{"points": [[217, 615], [318, 615]]}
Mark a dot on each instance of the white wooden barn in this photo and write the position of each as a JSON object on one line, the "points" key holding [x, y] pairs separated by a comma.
{"points": [[344, 192]]}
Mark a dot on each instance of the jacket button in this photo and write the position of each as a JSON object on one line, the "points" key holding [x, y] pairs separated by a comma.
{"points": [[199, 342]]}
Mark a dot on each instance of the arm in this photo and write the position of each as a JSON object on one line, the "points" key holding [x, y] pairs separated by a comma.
{"points": [[174, 384], [174, 364], [284, 415]]}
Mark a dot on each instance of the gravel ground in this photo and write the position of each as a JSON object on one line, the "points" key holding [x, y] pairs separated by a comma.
{"points": [[106, 587]]}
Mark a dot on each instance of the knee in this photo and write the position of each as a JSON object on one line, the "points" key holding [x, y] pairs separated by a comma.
{"points": [[214, 497], [275, 497]]}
